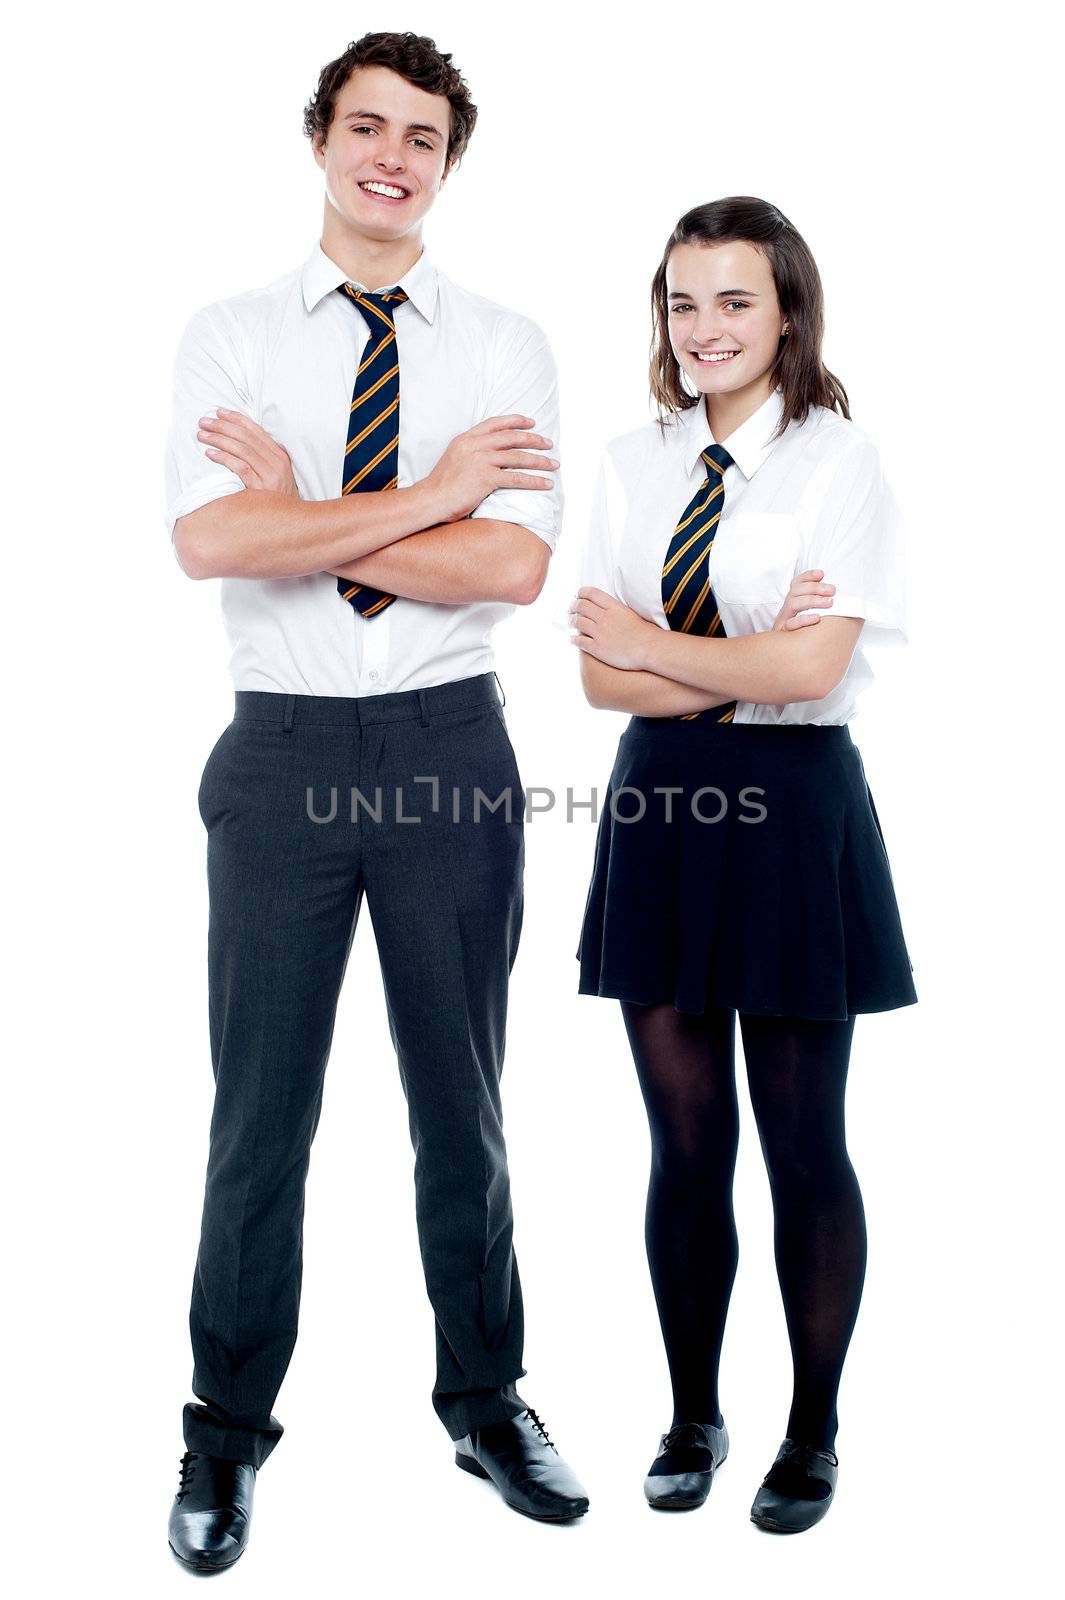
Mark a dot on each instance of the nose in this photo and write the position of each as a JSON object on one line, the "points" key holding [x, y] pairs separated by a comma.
{"points": [[707, 329], [391, 160]]}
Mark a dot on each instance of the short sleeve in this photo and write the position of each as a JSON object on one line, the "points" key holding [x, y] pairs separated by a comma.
{"points": [[598, 558], [858, 539], [208, 372], [525, 383]]}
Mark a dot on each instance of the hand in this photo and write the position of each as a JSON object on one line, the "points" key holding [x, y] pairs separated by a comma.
{"points": [[484, 458], [248, 450], [609, 630], [805, 591]]}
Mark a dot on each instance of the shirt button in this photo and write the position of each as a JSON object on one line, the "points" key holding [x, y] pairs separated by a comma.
{"points": [[373, 675]]}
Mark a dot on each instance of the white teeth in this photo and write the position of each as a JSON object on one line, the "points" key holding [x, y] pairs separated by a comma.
{"points": [[715, 355], [383, 188]]}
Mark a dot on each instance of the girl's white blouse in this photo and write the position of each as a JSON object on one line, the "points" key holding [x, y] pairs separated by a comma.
{"points": [[814, 497]]}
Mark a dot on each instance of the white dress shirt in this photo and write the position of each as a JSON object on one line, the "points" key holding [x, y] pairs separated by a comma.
{"points": [[286, 355], [815, 497]]}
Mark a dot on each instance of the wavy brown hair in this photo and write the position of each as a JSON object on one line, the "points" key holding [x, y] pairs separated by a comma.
{"points": [[413, 57], [798, 369]]}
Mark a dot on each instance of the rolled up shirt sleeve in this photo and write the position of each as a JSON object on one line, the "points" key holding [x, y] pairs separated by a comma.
{"points": [[208, 372], [525, 383], [858, 538]]}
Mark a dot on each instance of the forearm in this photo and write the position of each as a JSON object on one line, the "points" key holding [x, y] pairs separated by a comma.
{"points": [[775, 668], [260, 534], [476, 558], [643, 694]]}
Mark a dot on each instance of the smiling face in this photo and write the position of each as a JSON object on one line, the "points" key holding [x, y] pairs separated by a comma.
{"points": [[725, 322], [385, 156]]}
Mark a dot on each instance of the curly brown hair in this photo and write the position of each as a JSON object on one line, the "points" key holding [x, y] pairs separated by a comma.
{"points": [[413, 57], [798, 370]]}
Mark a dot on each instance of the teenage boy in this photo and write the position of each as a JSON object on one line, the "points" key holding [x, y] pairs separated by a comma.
{"points": [[367, 544]]}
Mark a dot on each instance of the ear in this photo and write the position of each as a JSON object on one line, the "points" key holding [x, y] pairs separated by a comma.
{"points": [[319, 151], [448, 167]]}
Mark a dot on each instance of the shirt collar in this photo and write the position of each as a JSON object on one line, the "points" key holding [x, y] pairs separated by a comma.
{"points": [[749, 445], [321, 275]]}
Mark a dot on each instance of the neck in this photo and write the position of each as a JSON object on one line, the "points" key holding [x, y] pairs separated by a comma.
{"points": [[375, 263], [727, 412]]}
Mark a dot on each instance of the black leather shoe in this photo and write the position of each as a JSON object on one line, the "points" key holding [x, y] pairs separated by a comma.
{"points": [[797, 1490], [525, 1467], [683, 1470], [211, 1515]]}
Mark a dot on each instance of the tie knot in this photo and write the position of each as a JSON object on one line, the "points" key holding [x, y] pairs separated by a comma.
{"points": [[378, 308], [717, 459]]}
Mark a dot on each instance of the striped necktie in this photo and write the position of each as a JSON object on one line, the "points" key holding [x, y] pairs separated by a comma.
{"points": [[371, 457], [686, 593]]}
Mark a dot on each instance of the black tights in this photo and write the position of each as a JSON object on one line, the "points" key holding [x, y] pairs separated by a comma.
{"points": [[797, 1073]]}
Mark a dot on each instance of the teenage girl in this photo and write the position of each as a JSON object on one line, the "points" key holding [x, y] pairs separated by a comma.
{"points": [[739, 864]]}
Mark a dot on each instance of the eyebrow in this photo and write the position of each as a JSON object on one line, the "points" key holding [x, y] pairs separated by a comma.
{"points": [[374, 116], [722, 294]]}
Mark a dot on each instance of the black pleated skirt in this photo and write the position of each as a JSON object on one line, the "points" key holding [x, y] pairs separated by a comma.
{"points": [[762, 882]]}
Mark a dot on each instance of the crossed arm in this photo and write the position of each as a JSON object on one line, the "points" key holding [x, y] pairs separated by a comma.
{"points": [[475, 558], [631, 664], [419, 542]]}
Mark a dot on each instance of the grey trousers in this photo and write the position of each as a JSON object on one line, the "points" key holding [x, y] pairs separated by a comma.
{"points": [[437, 847]]}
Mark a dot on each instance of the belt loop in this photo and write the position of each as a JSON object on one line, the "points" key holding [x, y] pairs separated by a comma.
{"points": [[290, 711], [499, 685], [424, 705]]}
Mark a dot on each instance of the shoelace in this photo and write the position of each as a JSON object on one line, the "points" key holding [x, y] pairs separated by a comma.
{"points": [[684, 1433], [188, 1472], [806, 1454], [538, 1425], [801, 1458]]}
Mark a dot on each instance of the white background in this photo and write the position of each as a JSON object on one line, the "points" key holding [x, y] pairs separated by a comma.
{"points": [[158, 163]]}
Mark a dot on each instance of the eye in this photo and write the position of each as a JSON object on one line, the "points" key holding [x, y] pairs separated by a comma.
{"points": [[681, 305], [423, 142], [742, 305], [364, 129]]}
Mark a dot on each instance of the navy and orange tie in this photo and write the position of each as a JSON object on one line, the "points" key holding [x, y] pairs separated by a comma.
{"points": [[371, 456], [687, 595]]}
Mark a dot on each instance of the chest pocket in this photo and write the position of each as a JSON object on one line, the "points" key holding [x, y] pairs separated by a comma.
{"points": [[755, 556]]}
